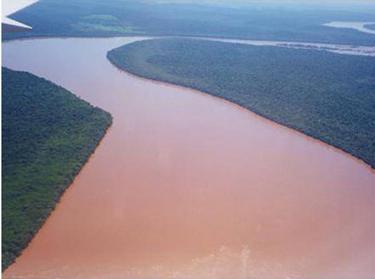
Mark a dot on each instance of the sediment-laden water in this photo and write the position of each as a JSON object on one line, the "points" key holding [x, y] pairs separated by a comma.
{"points": [[185, 185]]}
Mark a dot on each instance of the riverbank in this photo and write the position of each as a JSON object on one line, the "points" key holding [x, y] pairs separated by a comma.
{"points": [[286, 93], [186, 182], [335, 48], [356, 25], [48, 136]]}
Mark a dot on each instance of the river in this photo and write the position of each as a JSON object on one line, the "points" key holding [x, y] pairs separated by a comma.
{"points": [[186, 185], [356, 25]]}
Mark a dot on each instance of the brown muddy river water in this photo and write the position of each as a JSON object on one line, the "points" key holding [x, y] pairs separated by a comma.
{"points": [[188, 186]]}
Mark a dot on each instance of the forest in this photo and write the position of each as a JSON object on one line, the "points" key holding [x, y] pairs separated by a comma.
{"points": [[48, 135], [327, 96], [259, 21]]}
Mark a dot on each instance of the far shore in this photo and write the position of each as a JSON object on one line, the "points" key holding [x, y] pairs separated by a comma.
{"points": [[356, 25]]}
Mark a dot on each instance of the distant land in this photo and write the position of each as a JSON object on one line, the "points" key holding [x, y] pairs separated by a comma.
{"points": [[370, 26], [360, 26], [259, 21], [48, 135], [327, 96]]}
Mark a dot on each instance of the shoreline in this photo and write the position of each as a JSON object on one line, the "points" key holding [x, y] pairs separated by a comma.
{"points": [[163, 35], [259, 116], [341, 49], [87, 169], [66, 187], [61, 197], [359, 26], [141, 38]]}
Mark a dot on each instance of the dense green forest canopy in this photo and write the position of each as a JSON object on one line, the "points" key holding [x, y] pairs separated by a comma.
{"points": [[328, 96], [258, 20], [48, 135]]}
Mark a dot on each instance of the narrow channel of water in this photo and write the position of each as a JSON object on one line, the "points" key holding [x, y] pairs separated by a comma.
{"points": [[185, 185], [356, 25], [335, 48]]}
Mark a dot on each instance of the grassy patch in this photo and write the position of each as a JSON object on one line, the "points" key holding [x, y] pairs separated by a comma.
{"points": [[102, 23], [93, 27]]}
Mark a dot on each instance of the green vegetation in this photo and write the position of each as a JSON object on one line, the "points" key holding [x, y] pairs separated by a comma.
{"points": [[48, 135], [328, 96], [102, 24], [257, 20]]}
